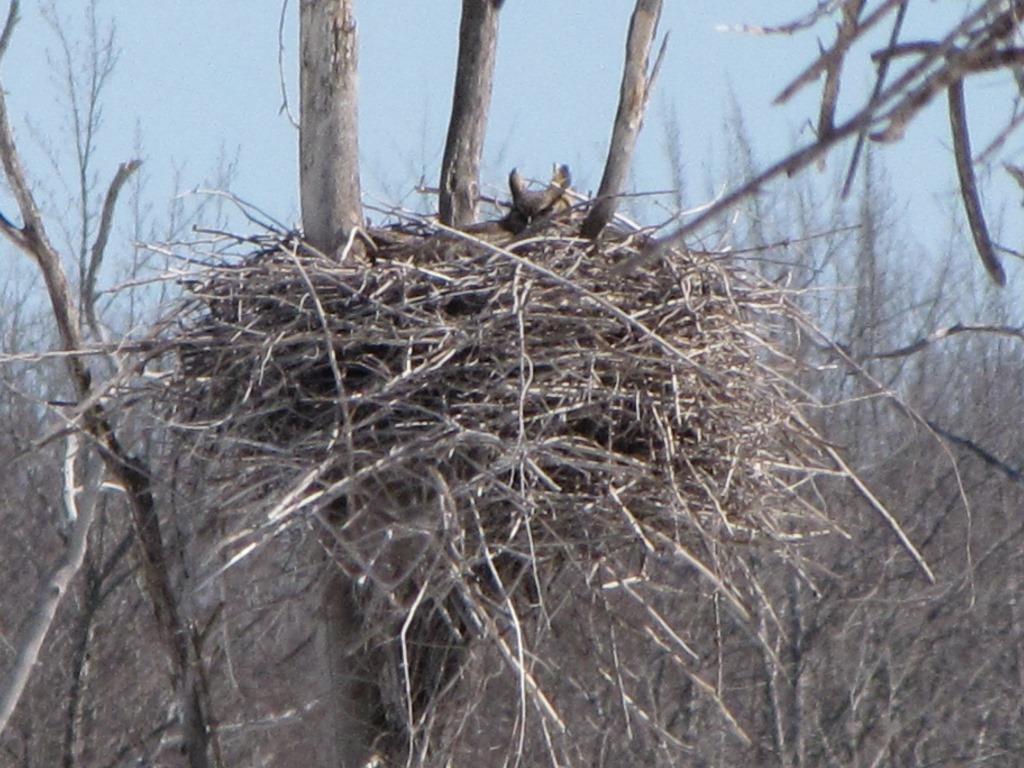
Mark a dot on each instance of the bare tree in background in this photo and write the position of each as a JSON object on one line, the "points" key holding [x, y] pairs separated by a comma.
{"points": [[127, 471]]}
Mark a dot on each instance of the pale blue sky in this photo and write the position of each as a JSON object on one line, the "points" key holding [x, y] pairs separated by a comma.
{"points": [[201, 78]]}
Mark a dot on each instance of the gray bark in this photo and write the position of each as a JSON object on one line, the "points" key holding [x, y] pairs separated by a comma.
{"points": [[636, 85], [329, 124], [352, 696], [471, 101]]}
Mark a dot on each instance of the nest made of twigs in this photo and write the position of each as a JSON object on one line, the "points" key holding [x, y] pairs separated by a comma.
{"points": [[469, 422]]}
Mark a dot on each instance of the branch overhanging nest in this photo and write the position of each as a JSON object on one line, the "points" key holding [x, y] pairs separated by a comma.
{"points": [[466, 422]]}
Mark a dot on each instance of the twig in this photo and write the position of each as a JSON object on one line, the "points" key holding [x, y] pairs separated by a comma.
{"points": [[12, 19], [821, 64], [285, 107], [942, 333], [883, 71], [807, 21], [985, 455]]}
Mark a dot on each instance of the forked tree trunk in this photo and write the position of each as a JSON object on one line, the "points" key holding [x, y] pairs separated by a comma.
{"points": [[471, 101], [329, 124]]}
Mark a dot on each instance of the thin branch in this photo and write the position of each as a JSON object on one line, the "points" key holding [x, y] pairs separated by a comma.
{"points": [[968, 184], [12, 19], [633, 96], [821, 64], [986, 456], [100, 244], [883, 72], [824, 8], [280, 68], [1000, 138], [944, 333]]}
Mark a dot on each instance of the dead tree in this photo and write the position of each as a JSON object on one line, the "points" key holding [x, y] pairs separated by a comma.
{"points": [[129, 472], [636, 87], [329, 124], [474, 75]]}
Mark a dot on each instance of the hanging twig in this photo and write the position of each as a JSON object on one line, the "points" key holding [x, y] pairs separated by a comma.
{"points": [[968, 184]]}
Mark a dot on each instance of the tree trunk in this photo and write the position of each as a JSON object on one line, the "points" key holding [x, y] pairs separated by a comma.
{"points": [[474, 76], [354, 717], [329, 124], [636, 87]]}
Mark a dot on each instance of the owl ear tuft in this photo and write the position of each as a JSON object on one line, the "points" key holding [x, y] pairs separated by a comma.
{"points": [[517, 187]]}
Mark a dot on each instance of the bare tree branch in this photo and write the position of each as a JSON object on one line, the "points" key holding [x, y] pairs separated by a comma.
{"points": [[944, 333], [894, 103], [986, 456], [823, 8], [836, 52], [12, 19], [848, 30], [883, 71], [633, 95], [130, 473], [471, 101], [29, 641], [968, 184], [100, 244]]}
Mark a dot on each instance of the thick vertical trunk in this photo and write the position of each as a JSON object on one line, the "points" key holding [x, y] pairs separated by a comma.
{"points": [[329, 123], [471, 101], [636, 87], [352, 696]]}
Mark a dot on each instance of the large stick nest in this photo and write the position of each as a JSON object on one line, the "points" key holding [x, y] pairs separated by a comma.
{"points": [[469, 425]]}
